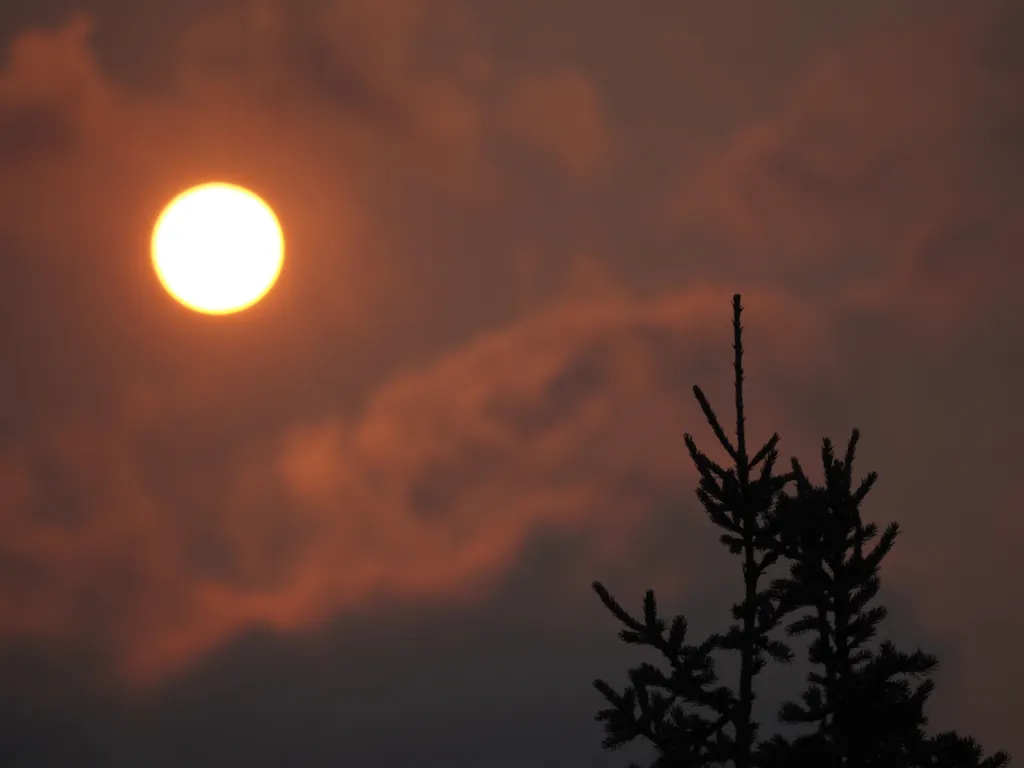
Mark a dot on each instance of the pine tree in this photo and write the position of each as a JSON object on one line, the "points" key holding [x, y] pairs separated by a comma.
{"points": [[689, 719], [861, 702]]}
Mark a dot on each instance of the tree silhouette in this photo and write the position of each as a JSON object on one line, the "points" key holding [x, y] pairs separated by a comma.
{"points": [[673, 708], [860, 701], [863, 702]]}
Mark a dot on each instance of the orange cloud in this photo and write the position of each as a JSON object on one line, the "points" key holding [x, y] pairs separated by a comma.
{"points": [[884, 177], [571, 418], [200, 480], [50, 90], [561, 115]]}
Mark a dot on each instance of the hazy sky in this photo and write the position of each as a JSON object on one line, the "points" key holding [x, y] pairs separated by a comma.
{"points": [[357, 524]]}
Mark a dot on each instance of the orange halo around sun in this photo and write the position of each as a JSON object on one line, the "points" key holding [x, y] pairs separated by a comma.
{"points": [[217, 248]]}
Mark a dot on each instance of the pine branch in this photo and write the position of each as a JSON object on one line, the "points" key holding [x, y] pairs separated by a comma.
{"points": [[716, 427], [649, 706]]}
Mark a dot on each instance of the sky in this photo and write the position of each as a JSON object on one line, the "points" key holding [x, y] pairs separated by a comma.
{"points": [[357, 523]]}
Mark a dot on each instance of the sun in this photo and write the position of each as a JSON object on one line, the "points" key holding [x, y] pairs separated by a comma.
{"points": [[217, 248]]}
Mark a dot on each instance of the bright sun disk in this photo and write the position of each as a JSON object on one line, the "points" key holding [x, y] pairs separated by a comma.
{"points": [[217, 248]]}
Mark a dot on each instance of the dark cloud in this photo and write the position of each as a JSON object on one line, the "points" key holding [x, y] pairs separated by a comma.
{"points": [[906, 120], [33, 129]]}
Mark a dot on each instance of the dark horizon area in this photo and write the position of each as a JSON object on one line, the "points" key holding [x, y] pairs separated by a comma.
{"points": [[358, 523]]}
